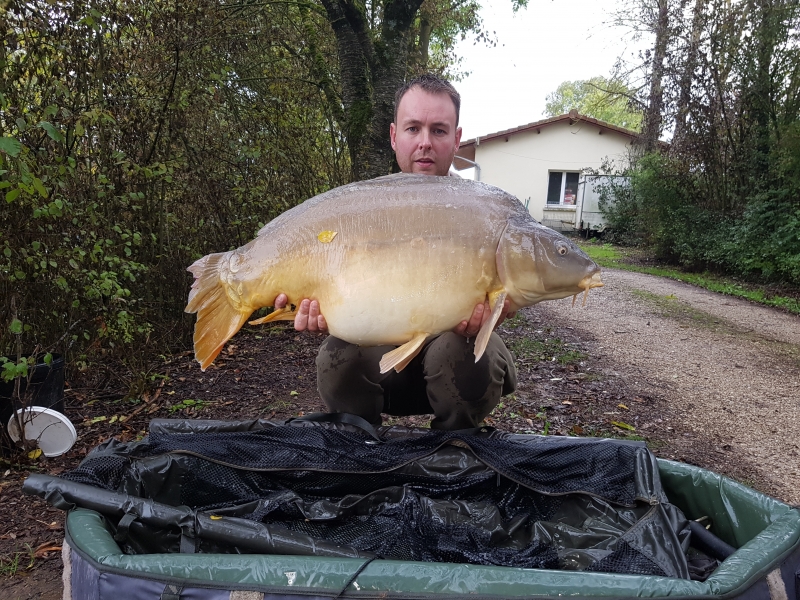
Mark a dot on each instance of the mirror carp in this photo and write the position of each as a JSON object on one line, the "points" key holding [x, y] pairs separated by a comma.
{"points": [[393, 260]]}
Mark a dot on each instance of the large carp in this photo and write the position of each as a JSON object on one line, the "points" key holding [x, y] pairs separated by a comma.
{"points": [[393, 260]]}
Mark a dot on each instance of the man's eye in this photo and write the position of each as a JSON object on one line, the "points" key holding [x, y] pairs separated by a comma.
{"points": [[412, 129]]}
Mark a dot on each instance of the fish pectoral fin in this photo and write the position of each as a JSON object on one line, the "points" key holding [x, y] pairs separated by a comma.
{"points": [[496, 300], [279, 314], [399, 358]]}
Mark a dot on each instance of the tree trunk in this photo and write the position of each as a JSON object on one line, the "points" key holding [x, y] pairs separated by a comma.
{"points": [[651, 129], [371, 69], [687, 77]]}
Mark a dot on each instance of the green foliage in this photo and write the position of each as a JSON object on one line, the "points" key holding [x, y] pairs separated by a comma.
{"points": [[658, 206], [150, 134], [725, 195], [608, 100]]}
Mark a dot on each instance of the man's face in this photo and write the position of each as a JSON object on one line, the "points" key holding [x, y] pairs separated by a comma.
{"points": [[425, 137]]}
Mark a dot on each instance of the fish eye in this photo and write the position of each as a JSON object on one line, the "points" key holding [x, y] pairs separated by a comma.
{"points": [[562, 250]]}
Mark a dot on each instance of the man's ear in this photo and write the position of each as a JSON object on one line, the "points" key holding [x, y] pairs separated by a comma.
{"points": [[458, 137], [392, 134]]}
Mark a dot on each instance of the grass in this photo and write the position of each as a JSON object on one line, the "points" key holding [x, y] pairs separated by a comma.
{"points": [[610, 256], [10, 563], [552, 349], [188, 403]]}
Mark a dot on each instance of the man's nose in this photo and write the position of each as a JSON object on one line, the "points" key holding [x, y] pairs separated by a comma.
{"points": [[425, 140]]}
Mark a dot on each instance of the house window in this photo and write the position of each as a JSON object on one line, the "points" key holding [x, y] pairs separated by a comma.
{"points": [[562, 188]]}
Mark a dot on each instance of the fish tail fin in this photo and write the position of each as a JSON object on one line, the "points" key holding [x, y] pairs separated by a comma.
{"points": [[218, 318]]}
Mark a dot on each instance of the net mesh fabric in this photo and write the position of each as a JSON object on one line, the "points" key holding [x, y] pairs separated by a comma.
{"points": [[342, 487]]}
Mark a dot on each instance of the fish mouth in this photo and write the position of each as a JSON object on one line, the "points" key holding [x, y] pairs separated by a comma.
{"points": [[587, 283]]}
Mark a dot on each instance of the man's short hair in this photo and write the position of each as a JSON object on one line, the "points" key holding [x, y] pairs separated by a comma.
{"points": [[433, 85]]}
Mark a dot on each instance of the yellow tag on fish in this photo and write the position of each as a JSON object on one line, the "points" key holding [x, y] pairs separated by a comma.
{"points": [[326, 237]]}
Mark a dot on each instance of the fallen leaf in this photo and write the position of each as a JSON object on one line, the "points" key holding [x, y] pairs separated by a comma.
{"points": [[623, 406], [293, 393], [623, 425], [41, 551], [567, 402], [34, 454]]}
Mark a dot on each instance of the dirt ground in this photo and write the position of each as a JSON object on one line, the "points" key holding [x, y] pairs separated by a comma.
{"points": [[703, 378]]}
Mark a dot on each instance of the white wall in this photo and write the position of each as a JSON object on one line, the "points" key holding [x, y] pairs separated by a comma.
{"points": [[521, 165]]}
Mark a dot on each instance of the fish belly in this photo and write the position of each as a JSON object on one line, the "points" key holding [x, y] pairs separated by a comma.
{"points": [[388, 298]]}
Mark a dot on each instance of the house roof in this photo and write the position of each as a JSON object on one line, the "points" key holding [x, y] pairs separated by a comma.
{"points": [[467, 148]]}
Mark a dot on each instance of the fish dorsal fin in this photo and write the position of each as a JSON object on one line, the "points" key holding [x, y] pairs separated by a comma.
{"points": [[399, 358], [496, 301], [279, 314]]}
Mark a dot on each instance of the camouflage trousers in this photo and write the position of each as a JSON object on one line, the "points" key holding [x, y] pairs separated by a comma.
{"points": [[443, 379]]}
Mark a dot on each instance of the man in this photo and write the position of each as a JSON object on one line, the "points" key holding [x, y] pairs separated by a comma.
{"points": [[443, 378]]}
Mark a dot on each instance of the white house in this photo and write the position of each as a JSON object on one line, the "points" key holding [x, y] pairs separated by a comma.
{"points": [[545, 164]]}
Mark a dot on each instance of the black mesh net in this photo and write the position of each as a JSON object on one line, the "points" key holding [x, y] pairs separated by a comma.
{"points": [[480, 498]]}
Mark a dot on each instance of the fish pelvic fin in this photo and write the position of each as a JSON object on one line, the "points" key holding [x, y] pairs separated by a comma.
{"points": [[218, 319], [497, 300], [399, 358], [279, 314]]}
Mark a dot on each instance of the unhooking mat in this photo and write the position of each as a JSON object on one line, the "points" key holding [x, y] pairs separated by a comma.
{"points": [[479, 497]]}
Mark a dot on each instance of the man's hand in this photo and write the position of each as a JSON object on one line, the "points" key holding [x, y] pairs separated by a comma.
{"points": [[308, 317], [481, 314]]}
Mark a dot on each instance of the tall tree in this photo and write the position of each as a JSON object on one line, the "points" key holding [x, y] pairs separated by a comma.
{"points": [[609, 100], [379, 43], [652, 124]]}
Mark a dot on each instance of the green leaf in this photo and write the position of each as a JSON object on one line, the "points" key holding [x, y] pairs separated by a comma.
{"points": [[10, 146], [73, 264], [12, 195], [15, 327], [79, 130], [7, 252], [37, 183], [51, 130]]}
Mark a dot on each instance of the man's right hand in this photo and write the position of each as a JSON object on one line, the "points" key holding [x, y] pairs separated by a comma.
{"points": [[308, 317]]}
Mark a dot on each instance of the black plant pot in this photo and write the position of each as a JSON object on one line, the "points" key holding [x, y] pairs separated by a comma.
{"points": [[44, 386]]}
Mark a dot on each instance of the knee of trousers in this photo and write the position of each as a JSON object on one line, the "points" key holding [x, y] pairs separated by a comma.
{"points": [[345, 370], [451, 370]]}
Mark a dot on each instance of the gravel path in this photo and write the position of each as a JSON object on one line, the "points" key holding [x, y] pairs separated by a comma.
{"points": [[727, 370]]}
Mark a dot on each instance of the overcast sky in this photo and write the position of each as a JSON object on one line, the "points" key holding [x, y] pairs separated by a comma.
{"points": [[539, 47]]}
